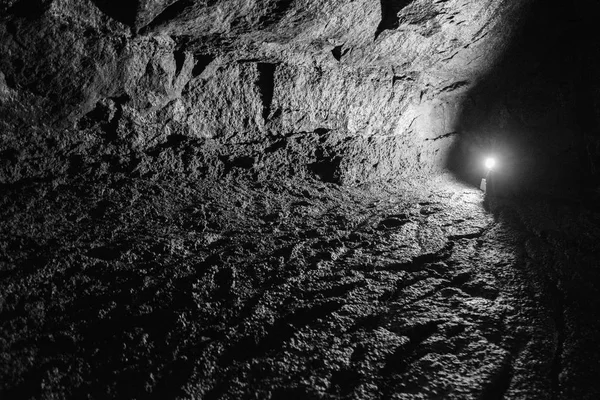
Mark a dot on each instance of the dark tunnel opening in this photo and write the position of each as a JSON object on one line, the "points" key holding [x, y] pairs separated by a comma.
{"points": [[537, 110]]}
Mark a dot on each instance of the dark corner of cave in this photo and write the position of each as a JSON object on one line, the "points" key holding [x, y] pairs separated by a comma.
{"points": [[286, 199]]}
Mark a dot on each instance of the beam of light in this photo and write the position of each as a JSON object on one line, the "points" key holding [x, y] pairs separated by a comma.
{"points": [[490, 163]]}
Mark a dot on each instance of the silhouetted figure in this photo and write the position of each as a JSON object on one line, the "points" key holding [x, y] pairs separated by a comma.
{"points": [[488, 187]]}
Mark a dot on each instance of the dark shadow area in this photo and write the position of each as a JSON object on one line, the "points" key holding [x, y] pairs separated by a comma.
{"points": [[123, 11], [389, 15], [537, 110], [266, 85], [29, 8], [558, 245], [202, 61], [337, 52], [179, 61], [172, 11]]}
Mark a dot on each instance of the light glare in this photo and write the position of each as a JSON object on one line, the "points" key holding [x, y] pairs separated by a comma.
{"points": [[490, 163]]}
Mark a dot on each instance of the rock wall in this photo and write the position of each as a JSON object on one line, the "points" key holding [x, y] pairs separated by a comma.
{"points": [[345, 91]]}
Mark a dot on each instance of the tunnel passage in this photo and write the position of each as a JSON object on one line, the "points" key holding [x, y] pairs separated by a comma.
{"points": [[535, 111], [242, 199]]}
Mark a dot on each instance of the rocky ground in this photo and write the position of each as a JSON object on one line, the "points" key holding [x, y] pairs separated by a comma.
{"points": [[234, 289]]}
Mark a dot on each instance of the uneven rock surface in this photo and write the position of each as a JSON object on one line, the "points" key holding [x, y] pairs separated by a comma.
{"points": [[248, 199], [130, 288], [346, 91]]}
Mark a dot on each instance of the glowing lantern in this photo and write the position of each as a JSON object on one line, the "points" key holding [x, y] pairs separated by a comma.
{"points": [[489, 163]]}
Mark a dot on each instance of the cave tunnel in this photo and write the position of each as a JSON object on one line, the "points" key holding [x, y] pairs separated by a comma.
{"points": [[281, 199]]}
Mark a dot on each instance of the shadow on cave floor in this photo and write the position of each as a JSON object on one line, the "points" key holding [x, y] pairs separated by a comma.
{"points": [[143, 289]]}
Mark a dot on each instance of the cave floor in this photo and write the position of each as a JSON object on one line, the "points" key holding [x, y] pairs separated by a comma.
{"points": [[131, 288]]}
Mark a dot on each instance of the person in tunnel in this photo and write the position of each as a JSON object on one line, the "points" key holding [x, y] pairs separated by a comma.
{"points": [[488, 182]]}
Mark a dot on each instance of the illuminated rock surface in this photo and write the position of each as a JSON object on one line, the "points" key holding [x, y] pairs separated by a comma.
{"points": [[348, 91], [250, 199]]}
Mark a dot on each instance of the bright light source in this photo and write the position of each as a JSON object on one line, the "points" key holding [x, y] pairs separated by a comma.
{"points": [[490, 163]]}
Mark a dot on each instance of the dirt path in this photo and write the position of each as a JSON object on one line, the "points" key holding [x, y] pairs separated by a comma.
{"points": [[139, 289]]}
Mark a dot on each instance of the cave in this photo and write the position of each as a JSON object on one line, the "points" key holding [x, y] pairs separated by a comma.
{"points": [[287, 199]]}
